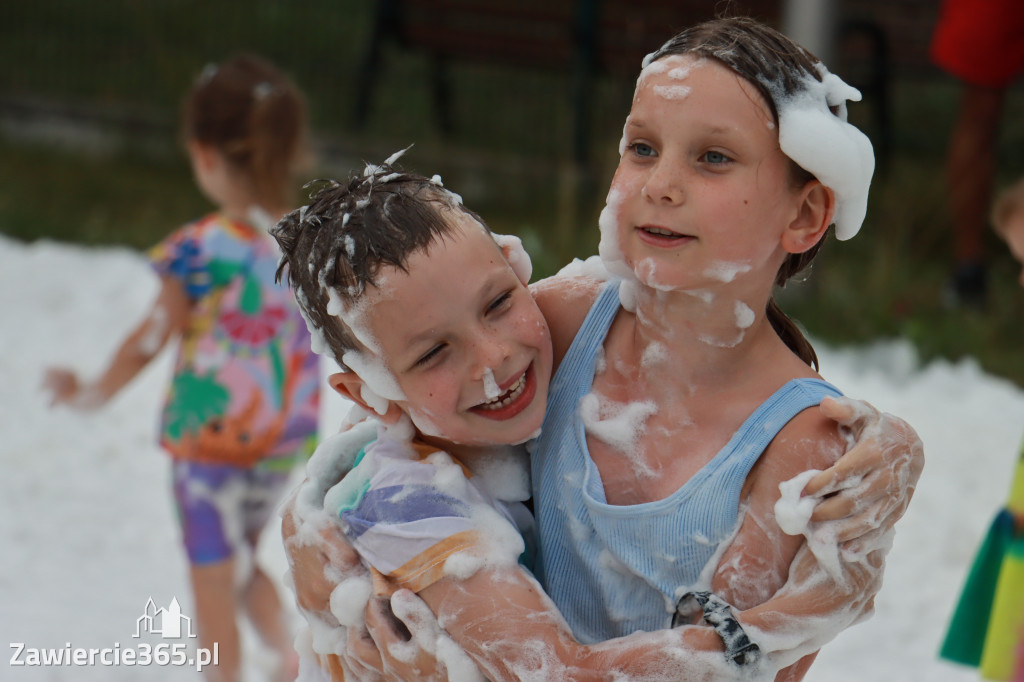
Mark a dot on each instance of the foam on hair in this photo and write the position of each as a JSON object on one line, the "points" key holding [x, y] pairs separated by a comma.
{"points": [[335, 246]]}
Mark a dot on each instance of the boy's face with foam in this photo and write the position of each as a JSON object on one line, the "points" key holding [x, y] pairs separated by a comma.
{"points": [[462, 339]]}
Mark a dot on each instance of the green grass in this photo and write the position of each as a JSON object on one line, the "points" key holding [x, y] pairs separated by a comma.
{"points": [[122, 199]]}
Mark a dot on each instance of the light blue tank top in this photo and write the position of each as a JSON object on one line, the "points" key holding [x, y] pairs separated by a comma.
{"points": [[616, 569]]}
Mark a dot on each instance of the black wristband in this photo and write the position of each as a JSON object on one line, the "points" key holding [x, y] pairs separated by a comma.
{"points": [[718, 614]]}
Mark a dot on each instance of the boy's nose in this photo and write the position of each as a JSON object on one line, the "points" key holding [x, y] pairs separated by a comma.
{"points": [[491, 354]]}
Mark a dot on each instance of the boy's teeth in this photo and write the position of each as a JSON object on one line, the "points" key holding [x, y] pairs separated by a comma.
{"points": [[507, 397]]}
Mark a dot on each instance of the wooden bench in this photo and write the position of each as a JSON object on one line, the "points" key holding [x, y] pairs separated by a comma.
{"points": [[583, 39]]}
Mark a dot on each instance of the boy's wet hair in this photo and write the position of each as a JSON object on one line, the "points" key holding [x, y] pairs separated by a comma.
{"points": [[336, 245], [255, 116], [778, 67]]}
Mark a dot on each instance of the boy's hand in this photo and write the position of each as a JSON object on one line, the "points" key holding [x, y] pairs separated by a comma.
{"points": [[384, 648], [318, 563], [868, 489]]}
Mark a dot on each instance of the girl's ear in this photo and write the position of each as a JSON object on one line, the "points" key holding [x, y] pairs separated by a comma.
{"points": [[816, 209], [350, 386]]}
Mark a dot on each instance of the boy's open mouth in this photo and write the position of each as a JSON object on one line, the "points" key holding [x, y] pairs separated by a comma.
{"points": [[512, 401]]}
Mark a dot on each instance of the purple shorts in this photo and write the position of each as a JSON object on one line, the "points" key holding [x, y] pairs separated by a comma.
{"points": [[223, 507]]}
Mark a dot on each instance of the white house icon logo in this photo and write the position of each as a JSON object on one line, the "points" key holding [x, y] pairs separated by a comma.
{"points": [[164, 622]]}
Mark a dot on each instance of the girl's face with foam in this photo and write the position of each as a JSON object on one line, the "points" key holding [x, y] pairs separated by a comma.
{"points": [[464, 340], [701, 187]]}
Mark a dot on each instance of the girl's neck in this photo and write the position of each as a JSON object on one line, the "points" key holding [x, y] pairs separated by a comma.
{"points": [[251, 212], [238, 200], [721, 334]]}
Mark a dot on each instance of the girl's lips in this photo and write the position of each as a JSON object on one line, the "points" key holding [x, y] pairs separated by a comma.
{"points": [[516, 398], [656, 235]]}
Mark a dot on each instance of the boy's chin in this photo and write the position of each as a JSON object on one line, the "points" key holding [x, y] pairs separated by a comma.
{"points": [[509, 434]]}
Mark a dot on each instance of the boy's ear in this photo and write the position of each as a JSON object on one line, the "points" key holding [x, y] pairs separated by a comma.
{"points": [[349, 385], [816, 209], [512, 249]]}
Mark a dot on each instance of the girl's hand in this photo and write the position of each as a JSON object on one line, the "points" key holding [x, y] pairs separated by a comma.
{"points": [[405, 633], [66, 389], [868, 489]]}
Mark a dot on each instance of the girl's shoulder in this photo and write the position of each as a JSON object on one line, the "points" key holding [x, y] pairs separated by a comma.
{"points": [[565, 299], [810, 440], [193, 231]]}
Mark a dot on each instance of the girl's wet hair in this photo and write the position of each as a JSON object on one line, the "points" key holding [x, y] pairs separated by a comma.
{"points": [[255, 116], [778, 68], [337, 244]]}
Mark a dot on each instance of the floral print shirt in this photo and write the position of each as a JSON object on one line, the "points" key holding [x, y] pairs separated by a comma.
{"points": [[246, 382]]}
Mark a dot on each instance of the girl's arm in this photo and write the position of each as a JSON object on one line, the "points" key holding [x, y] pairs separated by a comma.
{"points": [[167, 317], [565, 302], [511, 629], [800, 583]]}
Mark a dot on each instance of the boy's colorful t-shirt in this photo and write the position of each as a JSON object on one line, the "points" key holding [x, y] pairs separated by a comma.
{"points": [[415, 515], [246, 382]]}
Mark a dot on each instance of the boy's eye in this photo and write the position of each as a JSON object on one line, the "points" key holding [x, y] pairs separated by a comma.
{"points": [[500, 301], [430, 355], [641, 149]]}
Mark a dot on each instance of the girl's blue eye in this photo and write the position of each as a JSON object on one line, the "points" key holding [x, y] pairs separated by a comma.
{"points": [[715, 157], [641, 149]]}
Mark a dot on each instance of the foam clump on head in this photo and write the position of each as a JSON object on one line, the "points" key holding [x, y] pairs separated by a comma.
{"points": [[827, 146], [517, 257]]}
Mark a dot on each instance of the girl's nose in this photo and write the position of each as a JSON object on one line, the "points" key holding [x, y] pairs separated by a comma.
{"points": [[664, 184]]}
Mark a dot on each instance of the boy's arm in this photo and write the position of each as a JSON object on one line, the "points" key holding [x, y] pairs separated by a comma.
{"points": [[870, 486], [167, 317]]}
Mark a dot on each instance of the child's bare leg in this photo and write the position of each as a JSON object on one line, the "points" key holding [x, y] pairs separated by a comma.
{"points": [[263, 604], [213, 586]]}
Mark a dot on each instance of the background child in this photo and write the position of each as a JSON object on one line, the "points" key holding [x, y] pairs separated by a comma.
{"points": [[987, 628], [242, 406]]}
